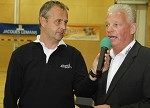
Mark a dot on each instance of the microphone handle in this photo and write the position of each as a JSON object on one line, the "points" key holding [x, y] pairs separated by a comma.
{"points": [[101, 60]]}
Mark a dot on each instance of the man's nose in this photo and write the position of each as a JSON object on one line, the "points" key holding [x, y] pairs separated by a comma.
{"points": [[109, 29], [63, 25]]}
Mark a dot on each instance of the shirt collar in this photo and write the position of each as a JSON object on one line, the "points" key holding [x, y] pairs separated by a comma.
{"points": [[38, 41], [124, 51]]}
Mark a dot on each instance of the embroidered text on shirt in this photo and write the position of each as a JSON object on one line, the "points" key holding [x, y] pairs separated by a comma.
{"points": [[66, 66]]}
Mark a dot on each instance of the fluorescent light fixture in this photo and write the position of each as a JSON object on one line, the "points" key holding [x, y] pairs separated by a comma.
{"points": [[132, 1]]}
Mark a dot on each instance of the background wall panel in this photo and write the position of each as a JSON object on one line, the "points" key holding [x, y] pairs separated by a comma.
{"points": [[7, 11], [148, 26]]}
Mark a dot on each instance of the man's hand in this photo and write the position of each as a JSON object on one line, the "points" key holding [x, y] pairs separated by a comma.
{"points": [[95, 63], [106, 63]]}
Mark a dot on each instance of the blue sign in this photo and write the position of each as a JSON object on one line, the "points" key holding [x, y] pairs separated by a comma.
{"points": [[19, 29]]}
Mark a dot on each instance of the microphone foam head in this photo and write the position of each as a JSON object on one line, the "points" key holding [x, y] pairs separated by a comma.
{"points": [[106, 42]]}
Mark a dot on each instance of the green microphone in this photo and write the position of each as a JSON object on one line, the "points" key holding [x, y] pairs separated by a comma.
{"points": [[104, 45]]}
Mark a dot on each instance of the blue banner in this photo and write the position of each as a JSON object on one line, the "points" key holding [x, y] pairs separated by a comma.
{"points": [[19, 29]]}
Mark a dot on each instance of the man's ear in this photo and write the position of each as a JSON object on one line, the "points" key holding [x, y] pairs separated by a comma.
{"points": [[43, 21], [133, 28]]}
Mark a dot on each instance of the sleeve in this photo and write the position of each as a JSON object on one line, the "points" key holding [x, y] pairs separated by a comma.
{"points": [[13, 82], [83, 85]]}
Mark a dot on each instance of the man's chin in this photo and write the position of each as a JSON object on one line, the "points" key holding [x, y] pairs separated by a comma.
{"points": [[60, 38]]}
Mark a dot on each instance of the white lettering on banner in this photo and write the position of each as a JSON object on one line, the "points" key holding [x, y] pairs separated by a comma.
{"points": [[11, 32], [28, 32], [19, 32], [19, 29]]}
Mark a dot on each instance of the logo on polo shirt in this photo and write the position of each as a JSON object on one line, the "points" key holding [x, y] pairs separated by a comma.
{"points": [[66, 66]]}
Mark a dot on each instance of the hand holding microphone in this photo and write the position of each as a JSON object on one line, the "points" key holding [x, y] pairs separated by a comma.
{"points": [[101, 62]]}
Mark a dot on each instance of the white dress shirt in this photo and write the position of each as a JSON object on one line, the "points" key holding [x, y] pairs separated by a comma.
{"points": [[116, 61], [47, 51]]}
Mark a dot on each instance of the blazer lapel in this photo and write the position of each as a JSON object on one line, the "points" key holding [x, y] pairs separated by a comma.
{"points": [[123, 68]]}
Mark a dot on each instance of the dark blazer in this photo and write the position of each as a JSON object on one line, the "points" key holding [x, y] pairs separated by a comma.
{"points": [[130, 87]]}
